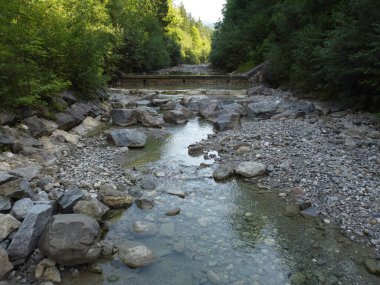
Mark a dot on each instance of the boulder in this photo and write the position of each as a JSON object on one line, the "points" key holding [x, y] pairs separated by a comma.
{"points": [[262, 109], [71, 239], [223, 172], [175, 117], [135, 255], [250, 169], [229, 121], [5, 203], [125, 117], [28, 172], [6, 142], [28, 235], [5, 265], [261, 90], [208, 108], [17, 189], [69, 199], [7, 118], [81, 110], [8, 224], [127, 137], [159, 102], [21, 207], [168, 106], [6, 177], [195, 149], [144, 204], [39, 127], [113, 198], [89, 124], [63, 136], [144, 229], [152, 121], [66, 121], [92, 208], [47, 271]]}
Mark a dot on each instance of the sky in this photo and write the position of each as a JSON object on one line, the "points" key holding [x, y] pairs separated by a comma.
{"points": [[209, 11]]}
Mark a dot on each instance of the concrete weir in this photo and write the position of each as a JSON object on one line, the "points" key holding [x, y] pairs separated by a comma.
{"points": [[185, 81]]}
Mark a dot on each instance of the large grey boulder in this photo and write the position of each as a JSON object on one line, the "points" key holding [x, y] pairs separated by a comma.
{"points": [[66, 121], [81, 109], [6, 177], [6, 142], [21, 207], [28, 172], [175, 117], [5, 203], [88, 125], [125, 117], [208, 108], [8, 224], [223, 172], [7, 118], [150, 120], [127, 137], [28, 235], [5, 265], [92, 208], [69, 199], [113, 198], [17, 189], [228, 121], [250, 169], [135, 255], [39, 127], [168, 106], [263, 109], [71, 239], [179, 115]]}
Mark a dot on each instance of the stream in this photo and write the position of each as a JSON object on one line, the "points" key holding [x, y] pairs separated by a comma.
{"points": [[226, 233]]}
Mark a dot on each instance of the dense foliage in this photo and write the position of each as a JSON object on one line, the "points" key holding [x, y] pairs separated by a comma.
{"points": [[49, 45], [330, 47]]}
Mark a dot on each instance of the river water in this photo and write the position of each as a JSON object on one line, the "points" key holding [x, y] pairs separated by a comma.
{"points": [[226, 233]]}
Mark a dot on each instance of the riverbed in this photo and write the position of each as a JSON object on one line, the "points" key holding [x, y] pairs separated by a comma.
{"points": [[226, 232]]}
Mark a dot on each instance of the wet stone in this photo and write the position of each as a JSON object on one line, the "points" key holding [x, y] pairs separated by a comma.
{"points": [[144, 229], [173, 212], [147, 183], [145, 204], [135, 255], [223, 172]]}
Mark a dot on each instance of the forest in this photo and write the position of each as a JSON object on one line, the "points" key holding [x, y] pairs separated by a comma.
{"points": [[327, 47], [47, 46]]}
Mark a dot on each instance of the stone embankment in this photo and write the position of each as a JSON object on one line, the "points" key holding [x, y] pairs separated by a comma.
{"points": [[59, 179]]}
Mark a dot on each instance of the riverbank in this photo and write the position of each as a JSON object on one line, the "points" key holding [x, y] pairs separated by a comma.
{"points": [[328, 157]]}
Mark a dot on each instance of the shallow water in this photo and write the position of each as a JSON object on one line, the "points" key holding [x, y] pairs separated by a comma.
{"points": [[226, 233]]}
